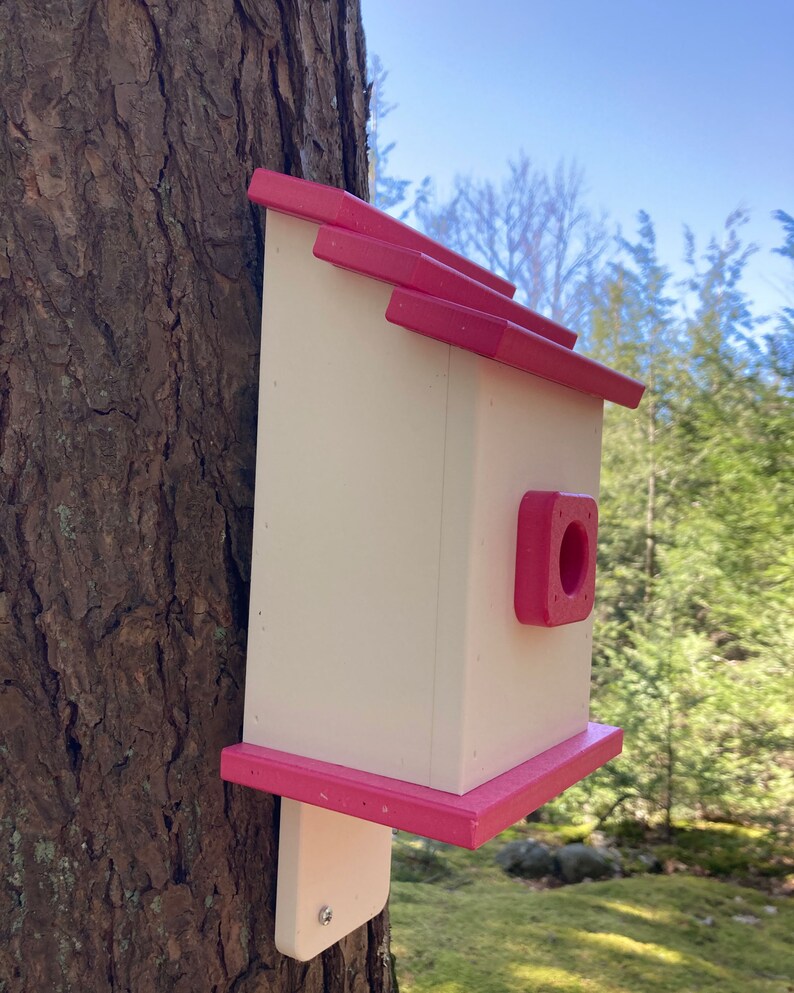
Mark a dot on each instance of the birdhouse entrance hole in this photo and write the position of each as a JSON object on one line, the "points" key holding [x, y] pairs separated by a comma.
{"points": [[573, 558]]}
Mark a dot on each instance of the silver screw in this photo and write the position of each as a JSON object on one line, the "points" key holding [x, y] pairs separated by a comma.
{"points": [[326, 915]]}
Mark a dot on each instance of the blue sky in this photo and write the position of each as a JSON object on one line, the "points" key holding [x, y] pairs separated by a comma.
{"points": [[683, 109]]}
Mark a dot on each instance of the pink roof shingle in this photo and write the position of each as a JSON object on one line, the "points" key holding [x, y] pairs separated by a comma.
{"points": [[437, 292]]}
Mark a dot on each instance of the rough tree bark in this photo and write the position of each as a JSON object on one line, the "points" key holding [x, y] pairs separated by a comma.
{"points": [[130, 266]]}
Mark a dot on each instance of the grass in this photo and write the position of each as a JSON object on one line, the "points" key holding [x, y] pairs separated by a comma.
{"points": [[468, 928], [746, 854]]}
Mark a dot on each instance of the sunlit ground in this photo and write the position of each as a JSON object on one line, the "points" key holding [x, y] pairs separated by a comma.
{"points": [[483, 932]]}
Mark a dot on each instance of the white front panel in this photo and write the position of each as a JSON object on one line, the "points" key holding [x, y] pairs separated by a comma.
{"points": [[504, 691], [350, 457]]}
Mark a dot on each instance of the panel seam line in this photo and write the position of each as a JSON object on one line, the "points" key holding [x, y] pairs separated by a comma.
{"points": [[438, 581]]}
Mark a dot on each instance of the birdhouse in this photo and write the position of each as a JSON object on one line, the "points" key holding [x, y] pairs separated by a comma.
{"points": [[425, 532]]}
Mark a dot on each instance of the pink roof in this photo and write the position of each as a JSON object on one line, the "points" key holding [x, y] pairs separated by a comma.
{"points": [[437, 292], [330, 205], [500, 339], [415, 271], [469, 820]]}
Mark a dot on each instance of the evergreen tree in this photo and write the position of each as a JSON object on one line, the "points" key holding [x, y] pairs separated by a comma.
{"points": [[693, 626], [780, 345]]}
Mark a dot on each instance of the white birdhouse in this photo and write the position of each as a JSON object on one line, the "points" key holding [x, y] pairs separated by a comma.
{"points": [[424, 551]]}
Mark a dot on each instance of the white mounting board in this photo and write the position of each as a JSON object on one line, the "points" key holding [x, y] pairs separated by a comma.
{"points": [[326, 859]]}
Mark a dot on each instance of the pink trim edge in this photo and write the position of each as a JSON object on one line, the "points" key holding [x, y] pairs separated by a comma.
{"points": [[330, 205], [414, 270], [467, 821], [499, 339]]}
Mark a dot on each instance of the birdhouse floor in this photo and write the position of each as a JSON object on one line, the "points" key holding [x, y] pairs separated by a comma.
{"points": [[467, 821]]}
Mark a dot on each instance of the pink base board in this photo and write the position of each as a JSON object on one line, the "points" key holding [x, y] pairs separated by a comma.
{"points": [[467, 821]]}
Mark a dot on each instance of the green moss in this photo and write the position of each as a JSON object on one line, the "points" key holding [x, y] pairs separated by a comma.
{"points": [[17, 878], [418, 860], [65, 517], [651, 934], [44, 852], [17, 858], [65, 876], [64, 954], [561, 834]]}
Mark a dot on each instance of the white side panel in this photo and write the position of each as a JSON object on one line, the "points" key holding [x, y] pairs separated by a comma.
{"points": [[510, 690], [327, 861], [347, 519]]}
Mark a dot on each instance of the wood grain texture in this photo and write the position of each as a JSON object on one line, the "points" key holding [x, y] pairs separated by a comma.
{"points": [[130, 270]]}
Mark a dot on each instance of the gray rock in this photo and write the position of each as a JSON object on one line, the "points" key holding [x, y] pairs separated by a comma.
{"points": [[610, 853], [528, 859], [578, 862], [650, 863]]}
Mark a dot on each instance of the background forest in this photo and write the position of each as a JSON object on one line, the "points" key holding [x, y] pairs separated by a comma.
{"points": [[694, 627]]}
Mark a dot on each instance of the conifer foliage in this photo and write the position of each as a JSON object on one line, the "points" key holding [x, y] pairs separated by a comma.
{"points": [[694, 629]]}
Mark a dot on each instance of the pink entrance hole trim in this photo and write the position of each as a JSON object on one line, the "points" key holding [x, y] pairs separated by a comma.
{"points": [[467, 821], [555, 557]]}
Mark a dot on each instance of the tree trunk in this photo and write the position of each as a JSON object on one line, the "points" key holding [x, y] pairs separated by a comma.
{"points": [[130, 269]]}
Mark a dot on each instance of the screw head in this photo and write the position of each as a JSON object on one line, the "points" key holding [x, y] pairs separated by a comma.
{"points": [[326, 916]]}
